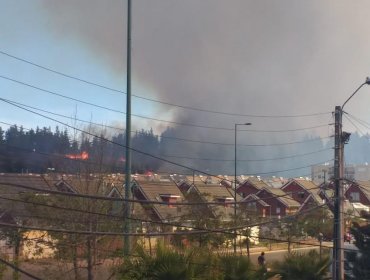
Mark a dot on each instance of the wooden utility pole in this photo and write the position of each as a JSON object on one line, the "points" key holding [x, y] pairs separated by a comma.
{"points": [[338, 254]]}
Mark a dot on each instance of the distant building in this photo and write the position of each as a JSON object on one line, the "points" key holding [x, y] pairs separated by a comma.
{"points": [[325, 172]]}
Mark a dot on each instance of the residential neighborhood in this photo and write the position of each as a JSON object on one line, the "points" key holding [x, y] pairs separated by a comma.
{"points": [[184, 140], [162, 203]]}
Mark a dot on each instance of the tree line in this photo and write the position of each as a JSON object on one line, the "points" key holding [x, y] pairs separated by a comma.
{"points": [[42, 149]]}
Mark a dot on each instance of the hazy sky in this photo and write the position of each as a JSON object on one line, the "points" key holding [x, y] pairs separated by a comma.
{"points": [[238, 56]]}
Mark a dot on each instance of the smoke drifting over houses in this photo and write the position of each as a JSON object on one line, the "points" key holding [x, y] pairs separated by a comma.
{"points": [[247, 57]]}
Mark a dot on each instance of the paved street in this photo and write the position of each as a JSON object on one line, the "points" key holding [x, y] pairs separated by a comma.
{"points": [[277, 255]]}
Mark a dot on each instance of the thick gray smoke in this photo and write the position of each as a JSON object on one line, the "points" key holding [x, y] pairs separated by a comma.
{"points": [[252, 57]]}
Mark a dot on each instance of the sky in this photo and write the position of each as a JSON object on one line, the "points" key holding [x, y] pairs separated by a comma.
{"points": [[270, 58]]}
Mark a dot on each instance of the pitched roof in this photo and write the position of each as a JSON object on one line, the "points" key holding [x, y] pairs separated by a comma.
{"points": [[88, 185], [216, 192], [155, 191], [306, 184], [312, 196], [328, 193], [282, 196], [365, 187], [255, 198], [27, 180], [256, 182]]}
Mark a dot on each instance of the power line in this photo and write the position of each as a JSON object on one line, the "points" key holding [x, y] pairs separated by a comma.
{"points": [[354, 125], [291, 169], [181, 157], [223, 230], [196, 231], [87, 162], [155, 119], [363, 122], [167, 137], [16, 268], [99, 197], [158, 101], [136, 150], [250, 160]]}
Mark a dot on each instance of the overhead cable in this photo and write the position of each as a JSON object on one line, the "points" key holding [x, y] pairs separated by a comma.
{"points": [[158, 101]]}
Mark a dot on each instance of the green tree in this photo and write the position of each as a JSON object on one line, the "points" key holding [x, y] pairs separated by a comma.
{"points": [[361, 269], [191, 264], [166, 264], [303, 266]]}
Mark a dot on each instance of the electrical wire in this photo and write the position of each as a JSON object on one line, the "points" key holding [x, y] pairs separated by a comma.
{"points": [[157, 101], [16, 268], [249, 160], [192, 232], [218, 230], [87, 162], [136, 150], [354, 125], [155, 119], [166, 137], [191, 158], [362, 122], [290, 169], [99, 197]]}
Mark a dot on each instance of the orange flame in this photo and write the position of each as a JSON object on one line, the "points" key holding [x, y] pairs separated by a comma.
{"points": [[83, 156]]}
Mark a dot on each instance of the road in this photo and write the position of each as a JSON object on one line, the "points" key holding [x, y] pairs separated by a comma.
{"points": [[278, 255]]}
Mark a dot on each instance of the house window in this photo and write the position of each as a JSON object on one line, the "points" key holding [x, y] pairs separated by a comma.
{"points": [[301, 194], [252, 205], [355, 196], [277, 210], [170, 199]]}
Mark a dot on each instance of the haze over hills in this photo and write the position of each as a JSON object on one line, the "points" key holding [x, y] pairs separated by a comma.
{"points": [[20, 147]]}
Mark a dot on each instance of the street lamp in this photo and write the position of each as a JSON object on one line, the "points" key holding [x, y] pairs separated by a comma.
{"points": [[236, 129], [340, 139]]}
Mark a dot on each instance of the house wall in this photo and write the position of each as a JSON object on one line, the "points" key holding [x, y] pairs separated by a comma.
{"points": [[356, 189], [256, 209], [308, 205], [297, 192], [247, 189], [273, 202]]}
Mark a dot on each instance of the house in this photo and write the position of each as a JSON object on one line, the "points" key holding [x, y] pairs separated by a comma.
{"points": [[280, 202], [15, 189], [22, 183], [251, 186], [30, 187], [166, 193], [300, 189], [359, 191], [214, 193], [255, 206], [312, 201]]}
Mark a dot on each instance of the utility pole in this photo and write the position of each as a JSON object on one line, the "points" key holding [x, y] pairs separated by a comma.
{"points": [[127, 211], [235, 180], [338, 254], [341, 138]]}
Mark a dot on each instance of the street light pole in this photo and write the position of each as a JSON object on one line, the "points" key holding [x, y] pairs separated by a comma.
{"points": [[127, 211], [235, 174], [341, 138]]}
